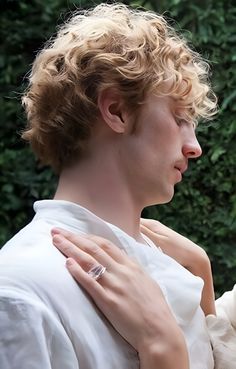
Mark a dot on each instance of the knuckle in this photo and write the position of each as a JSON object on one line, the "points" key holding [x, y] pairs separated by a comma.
{"points": [[89, 246], [106, 246], [102, 243], [95, 249], [67, 249]]}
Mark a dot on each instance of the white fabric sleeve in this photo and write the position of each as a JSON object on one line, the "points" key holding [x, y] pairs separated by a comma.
{"points": [[223, 340], [222, 331], [226, 306], [30, 336]]}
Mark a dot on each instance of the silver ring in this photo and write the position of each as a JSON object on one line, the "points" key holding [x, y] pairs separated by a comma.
{"points": [[97, 271]]}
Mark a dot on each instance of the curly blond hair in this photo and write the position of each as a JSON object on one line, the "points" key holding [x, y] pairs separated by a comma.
{"points": [[133, 51]]}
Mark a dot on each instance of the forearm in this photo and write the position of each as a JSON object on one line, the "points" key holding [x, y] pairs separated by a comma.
{"points": [[203, 270], [162, 344], [187, 253]]}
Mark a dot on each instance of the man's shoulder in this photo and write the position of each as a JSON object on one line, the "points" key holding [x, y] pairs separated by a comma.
{"points": [[35, 234], [29, 259]]}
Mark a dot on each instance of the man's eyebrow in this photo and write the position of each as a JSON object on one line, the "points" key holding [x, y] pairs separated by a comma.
{"points": [[181, 112]]}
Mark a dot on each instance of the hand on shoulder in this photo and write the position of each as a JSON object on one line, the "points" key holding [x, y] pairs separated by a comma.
{"points": [[180, 248], [185, 252], [129, 298]]}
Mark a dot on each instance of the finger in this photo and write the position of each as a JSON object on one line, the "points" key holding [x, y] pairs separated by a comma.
{"points": [[82, 241], [150, 223], [154, 225], [157, 227], [64, 232], [92, 286], [95, 245], [110, 248], [70, 250], [84, 250], [154, 236]]}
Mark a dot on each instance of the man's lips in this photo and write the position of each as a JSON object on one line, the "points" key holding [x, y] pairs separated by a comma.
{"points": [[181, 167]]}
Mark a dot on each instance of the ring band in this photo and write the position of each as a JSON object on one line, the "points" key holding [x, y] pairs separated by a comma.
{"points": [[97, 271]]}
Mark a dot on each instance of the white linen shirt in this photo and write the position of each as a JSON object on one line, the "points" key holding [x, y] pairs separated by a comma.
{"points": [[222, 331], [47, 321]]}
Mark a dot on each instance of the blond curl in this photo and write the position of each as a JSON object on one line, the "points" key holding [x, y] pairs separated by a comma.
{"points": [[111, 46]]}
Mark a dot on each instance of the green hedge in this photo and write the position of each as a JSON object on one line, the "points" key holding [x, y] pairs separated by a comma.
{"points": [[204, 207]]}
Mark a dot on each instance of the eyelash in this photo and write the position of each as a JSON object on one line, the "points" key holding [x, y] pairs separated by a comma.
{"points": [[181, 121]]}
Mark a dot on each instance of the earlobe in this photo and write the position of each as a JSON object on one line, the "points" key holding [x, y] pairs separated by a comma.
{"points": [[111, 110]]}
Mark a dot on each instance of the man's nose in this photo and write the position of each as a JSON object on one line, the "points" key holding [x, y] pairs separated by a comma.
{"points": [[192, 148]]}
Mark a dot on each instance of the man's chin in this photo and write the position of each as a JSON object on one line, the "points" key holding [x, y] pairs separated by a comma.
{"points": [[165, 199], [168, 196]]}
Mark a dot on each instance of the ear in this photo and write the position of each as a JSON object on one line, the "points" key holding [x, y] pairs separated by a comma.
{"points": [[112, 110]]}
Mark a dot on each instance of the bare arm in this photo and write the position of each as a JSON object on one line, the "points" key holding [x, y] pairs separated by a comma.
{"points": [[130, 299], [187, 253]]}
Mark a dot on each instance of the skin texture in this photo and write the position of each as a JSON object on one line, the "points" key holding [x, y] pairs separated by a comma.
{"points": [[150, 148], [128, 297], [158, 151], [122, 302], [187, 253]]}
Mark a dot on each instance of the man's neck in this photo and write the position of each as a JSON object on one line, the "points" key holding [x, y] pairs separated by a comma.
{"points": [[100, 188]]}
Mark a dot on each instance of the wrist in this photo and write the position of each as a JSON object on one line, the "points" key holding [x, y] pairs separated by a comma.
{"points": [[164, 347], [164, 354]]}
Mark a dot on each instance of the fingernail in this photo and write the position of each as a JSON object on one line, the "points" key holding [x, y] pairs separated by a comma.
{"points": [[55, 231]]}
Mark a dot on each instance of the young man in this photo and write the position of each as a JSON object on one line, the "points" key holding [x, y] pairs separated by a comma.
{"points": [[112, 106]]}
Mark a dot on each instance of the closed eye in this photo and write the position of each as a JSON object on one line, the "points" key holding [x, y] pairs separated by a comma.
{"points": [[181, 121]]}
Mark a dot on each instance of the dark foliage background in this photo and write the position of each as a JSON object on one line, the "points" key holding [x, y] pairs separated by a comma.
{"points": [[204, 207]]}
